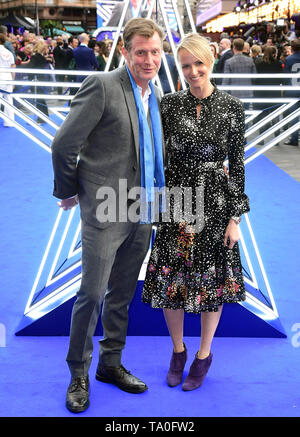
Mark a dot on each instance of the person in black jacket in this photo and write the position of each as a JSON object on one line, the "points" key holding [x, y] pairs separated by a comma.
{"points": [[269, 65], [225, 53], [39, 60], [60, 60]]}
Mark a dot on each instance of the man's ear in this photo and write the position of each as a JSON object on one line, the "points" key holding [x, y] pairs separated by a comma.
{"points": [[124, 53]]}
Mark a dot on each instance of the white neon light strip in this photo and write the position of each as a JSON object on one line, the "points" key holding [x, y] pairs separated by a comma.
{"points": [[58, 114], [27, 309], [221, 87], [68, 289], [116, 36], [259, 87], [295, 76], [36, 111], [24, 131], [42, 96], [254, 280], [158, 84], [58, 252], [274, 128], [253, 115], [178, 19], [188, 9], [266, 312], [165, 63], [268, 118], [48, 72], [261, 264], [40, 83], [269, 100], [25, 118], [73, 252], [163, 12], [273, 142], [60, 108], [64, 273], [257, 75]]}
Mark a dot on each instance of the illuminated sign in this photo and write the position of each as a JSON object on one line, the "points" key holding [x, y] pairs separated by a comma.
{"points": [[267, 12]]}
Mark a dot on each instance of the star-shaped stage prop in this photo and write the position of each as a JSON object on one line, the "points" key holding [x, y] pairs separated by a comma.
{"points": [[59, 275]]}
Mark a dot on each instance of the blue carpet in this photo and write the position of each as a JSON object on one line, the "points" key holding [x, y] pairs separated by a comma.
{"points": [[249, 376]]}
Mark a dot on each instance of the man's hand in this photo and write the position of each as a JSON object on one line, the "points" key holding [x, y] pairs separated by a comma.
{"points": [[66, 204]]}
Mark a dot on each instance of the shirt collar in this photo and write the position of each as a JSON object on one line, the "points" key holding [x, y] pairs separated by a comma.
{"points": [[224, 51], [147, 92]]}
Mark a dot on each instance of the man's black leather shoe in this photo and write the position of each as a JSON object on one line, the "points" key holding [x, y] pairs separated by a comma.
{"points": [[78, 394], [121, 377], [289, 143]]}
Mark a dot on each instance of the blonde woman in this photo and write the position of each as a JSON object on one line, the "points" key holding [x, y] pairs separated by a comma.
{"points": [[39, 60], [194, 269]]}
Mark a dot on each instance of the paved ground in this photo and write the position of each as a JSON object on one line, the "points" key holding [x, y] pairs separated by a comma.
{"points": [[287, 158]]}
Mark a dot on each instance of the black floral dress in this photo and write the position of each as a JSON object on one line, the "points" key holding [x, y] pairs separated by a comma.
{"points": [[192, 269]]}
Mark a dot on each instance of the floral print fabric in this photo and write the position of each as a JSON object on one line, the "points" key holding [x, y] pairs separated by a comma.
{"points": [[188, 269]]}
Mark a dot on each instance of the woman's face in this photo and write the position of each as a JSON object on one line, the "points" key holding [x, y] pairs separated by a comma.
{"points": [[213, 50], [195, 72]]}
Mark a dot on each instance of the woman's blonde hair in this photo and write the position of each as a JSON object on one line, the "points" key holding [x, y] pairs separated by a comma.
{"points": [[199, 47], [39, 47], [256, 50]]}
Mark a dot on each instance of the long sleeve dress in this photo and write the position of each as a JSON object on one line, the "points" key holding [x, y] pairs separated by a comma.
{"points": [[190, 269]]}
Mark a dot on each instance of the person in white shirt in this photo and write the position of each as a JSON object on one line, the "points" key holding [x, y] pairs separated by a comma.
{"points": [[6, 60]]}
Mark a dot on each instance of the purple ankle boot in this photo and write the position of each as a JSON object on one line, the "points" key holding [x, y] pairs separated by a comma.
{"points": [[178, 360], [197, 373]]}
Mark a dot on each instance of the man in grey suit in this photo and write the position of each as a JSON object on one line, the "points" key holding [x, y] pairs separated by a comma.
{"points": [[239, 64], [130, 11], [226, 53], [108, 128]]}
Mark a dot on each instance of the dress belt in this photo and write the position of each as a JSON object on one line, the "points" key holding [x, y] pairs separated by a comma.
{"points": [[207, 165]]}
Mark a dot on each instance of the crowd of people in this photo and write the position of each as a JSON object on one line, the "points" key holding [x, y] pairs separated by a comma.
{"points": [[58, 51], [274, 53], [269, 51]]}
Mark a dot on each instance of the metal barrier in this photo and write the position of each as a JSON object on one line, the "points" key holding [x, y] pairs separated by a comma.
{"points": [[278, 114]]}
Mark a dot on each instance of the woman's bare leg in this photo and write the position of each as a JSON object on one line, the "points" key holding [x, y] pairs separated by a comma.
{"points": [[209, 324], [174, 320]]}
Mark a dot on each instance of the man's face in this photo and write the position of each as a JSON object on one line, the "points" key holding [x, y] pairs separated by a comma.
{"points": [[144, 58], [75, 43], [222, 45]]}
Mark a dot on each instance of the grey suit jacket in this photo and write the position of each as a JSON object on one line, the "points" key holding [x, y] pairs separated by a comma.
{"points": [[239, 64], [102, 129], [117, 12]]}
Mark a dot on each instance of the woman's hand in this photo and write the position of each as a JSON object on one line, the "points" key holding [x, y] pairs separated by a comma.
{"points": [[231, 234], [66, 204]]}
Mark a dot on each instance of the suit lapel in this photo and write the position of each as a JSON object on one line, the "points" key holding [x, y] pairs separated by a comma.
{"points": [[130, 101]]}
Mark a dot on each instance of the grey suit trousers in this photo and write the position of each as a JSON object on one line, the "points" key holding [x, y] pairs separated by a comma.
{"points": [[111, 261]]}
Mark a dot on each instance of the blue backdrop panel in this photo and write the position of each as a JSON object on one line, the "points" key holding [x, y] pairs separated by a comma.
{"points": [[236, 321]]}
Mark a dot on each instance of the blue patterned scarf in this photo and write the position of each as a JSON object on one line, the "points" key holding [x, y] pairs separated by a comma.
{"points": [[151, 158]]}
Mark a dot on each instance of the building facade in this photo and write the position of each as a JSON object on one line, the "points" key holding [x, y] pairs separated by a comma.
{"points": [[68, 12]]}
